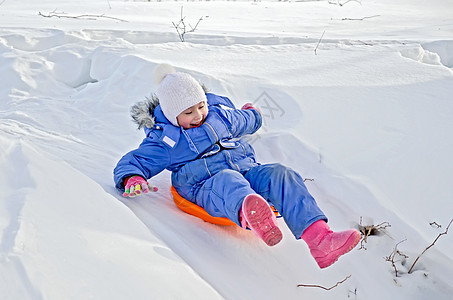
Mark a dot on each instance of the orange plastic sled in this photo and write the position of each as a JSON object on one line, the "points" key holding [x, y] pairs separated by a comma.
{"points": [[199, 212]]}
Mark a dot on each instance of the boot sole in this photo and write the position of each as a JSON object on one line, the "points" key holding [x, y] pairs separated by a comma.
{"points": [[331, 258], [261, 219]]}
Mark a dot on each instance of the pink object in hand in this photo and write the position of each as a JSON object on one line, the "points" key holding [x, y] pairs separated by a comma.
{"points": [[135, 186], [247, 106], [250, 106], [327, 246]]}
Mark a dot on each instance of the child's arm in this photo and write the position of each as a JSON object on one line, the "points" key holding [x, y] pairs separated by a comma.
{"points": [[240, 122], [149, 159]]}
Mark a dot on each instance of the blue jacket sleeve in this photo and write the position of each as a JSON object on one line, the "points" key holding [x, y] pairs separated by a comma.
{"points": [[243, 121], [149, 159], [232, 123]]}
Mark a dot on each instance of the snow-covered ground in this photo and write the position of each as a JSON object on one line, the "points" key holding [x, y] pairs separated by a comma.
{"points": [[366, 112]]}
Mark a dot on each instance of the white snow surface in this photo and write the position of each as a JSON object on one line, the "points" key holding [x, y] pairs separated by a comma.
{"points": [[365, 112]]}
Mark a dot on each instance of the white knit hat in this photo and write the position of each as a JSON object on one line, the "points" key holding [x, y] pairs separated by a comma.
{"points": [[177, 91]]}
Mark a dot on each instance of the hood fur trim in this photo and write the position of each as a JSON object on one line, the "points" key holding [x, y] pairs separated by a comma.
{"points": [[143, 112]]}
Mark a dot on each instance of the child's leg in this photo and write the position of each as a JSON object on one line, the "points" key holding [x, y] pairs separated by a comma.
{"points": [[222, 194], [327, 246], [285, 189], [228, 194]]}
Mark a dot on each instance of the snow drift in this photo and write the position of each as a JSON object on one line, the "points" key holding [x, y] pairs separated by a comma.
{"points": [[367, 119]]}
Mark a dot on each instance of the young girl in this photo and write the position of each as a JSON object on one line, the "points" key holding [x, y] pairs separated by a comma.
{"points": [[196, 135]]}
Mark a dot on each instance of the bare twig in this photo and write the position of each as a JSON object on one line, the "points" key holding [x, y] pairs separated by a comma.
{"points": [[319, 42], [368, 230], [360, 19], [432, 244], [181, 27], [92, 17], [435, 224], [341, 4], [391, 257], [352, 292], [308, 179], [360, 2], [368, 44], [322, 287]]}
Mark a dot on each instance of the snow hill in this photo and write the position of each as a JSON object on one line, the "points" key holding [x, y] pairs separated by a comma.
{"points": [[357, 97]]}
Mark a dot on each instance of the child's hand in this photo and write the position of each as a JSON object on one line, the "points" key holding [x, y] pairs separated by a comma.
{"points": [[250, 106], [135, 185]]}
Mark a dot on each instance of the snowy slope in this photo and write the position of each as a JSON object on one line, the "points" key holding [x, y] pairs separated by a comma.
{"points": [[368, 118]]}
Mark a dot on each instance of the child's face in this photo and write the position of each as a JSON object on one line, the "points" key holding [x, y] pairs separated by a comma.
{"points": [[194, 116]]}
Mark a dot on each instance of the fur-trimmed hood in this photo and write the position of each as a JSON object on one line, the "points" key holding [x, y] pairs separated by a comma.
{"points": [[142, 112]]}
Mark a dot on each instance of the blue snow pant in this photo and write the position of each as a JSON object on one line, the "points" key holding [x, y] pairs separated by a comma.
{"points": [[222, 195]]}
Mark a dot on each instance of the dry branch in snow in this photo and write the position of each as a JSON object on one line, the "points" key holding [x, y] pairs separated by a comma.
{"points": [[346, 2], [181, 27], [86, 16], [392, 256], [435, 224], [319, 42], [322, 287], [368, 230], [360, 19], [432, 244]]}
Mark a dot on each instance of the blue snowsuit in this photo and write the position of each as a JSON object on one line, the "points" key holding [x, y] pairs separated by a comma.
{"points": [[212, 167]]}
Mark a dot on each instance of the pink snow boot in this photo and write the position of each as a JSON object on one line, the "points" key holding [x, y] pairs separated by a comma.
{"points": [[327, 246], [259, 217]]}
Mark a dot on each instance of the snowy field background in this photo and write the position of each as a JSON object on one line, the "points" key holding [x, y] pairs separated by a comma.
{"points": [[368, 117]]}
